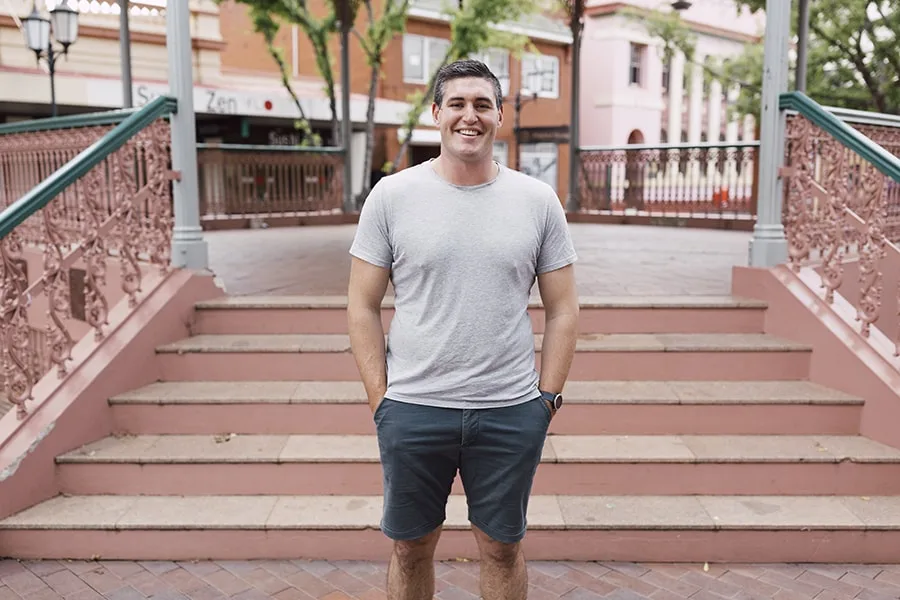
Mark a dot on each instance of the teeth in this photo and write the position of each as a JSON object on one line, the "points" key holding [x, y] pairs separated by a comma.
{"points": [[468, 132]]}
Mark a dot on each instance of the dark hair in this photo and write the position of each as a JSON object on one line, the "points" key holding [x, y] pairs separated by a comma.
{"points": [[465, 68]]}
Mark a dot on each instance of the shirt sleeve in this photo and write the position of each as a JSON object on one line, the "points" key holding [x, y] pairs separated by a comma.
{"points": [[372, 242], [557, 249]]}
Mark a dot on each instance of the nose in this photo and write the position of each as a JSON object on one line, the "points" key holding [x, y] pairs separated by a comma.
{"points": [[469, 116]]}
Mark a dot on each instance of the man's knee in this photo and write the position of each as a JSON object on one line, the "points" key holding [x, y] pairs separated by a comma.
{"points": [[411, 553], [499, 554]]}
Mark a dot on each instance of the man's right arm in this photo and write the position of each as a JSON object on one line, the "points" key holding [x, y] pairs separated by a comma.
{"points": [[368, 284]]}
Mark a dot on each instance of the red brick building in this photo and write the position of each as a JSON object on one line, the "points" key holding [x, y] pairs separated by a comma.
{"points": [[409, 61]]}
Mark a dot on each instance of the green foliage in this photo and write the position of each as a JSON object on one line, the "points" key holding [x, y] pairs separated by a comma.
{"points": [[267, 17], [380, 32], [852, 52]]}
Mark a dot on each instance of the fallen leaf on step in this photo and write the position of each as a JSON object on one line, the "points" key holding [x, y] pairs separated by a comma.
{"points": [[459, 559], [225, 437], [866, 498], [706, 567]]}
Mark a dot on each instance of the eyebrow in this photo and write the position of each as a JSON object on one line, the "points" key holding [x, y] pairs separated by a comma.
{"points": [[478, 99]]}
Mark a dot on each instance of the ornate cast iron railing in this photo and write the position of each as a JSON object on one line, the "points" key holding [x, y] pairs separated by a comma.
{"points": [[841, 194], [677, 179], [33, 150], [238, 181], [108, 205]]}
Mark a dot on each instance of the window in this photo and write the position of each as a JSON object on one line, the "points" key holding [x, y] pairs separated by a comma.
{"points": [[635, 72], [540, 74], [497, 61], [666, 74], [540, 161], [501, 153], [422, 56]]}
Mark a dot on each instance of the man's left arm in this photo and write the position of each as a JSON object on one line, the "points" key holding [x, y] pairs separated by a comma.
{"points": [[560, 300]]}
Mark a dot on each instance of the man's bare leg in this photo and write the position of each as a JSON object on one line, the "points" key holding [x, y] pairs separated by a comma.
{"points": [[411, 570], [503, 573]]}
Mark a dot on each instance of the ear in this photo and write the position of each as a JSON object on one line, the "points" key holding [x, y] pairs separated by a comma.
{"points": [[500, 116], [435, 113]]}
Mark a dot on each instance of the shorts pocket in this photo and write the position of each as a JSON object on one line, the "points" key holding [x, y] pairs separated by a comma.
{"points": [[546, 408], [376, 416]]}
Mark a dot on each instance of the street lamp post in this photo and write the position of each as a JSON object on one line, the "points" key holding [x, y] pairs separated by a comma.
{"points": [[63, 26]]}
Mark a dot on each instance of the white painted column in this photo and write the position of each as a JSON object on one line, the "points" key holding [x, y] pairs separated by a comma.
{"points": [[749, 125], [714, 112], [695, 103], [732, 130], [769, 246], [676, 94], [188, 246]]}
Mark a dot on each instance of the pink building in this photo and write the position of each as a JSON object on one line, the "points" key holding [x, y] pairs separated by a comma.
{"points": [[629, 95]]}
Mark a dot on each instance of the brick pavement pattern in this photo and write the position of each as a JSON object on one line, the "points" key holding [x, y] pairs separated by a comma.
{"points": [[349, 580], [614, 260]]}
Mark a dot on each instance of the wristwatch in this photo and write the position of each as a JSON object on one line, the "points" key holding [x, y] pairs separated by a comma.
{"points": [[555, 400]]}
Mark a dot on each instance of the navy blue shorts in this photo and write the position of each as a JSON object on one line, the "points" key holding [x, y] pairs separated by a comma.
{"points": [[495, 450]]}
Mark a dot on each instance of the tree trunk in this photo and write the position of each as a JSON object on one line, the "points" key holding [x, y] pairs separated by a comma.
{"points": [[411, 125], [370, 131]]}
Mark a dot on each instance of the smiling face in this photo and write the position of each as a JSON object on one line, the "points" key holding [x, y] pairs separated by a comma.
{"points": [[468, 118]]}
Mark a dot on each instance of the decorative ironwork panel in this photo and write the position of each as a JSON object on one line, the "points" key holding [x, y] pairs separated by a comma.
{"points": [[836, 209], [707, 180], [118, 216]]}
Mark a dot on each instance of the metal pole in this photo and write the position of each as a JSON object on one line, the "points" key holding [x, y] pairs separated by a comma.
{"points": [[768, 246], [517, 107], [188, 247], [349, 204], [574, 200], [803, 40], [125, 50], [51, 63]]}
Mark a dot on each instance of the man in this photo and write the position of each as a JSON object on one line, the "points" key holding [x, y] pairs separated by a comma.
{"points": [[462, 239]]}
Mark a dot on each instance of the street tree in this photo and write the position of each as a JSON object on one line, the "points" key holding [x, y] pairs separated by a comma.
{"points": [[268, 16], [379, 32], [472, 30], [852, 49], [852, 57]]}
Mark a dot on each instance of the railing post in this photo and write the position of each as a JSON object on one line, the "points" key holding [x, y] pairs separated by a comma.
{"points": [[769, 246], [188, 247]]}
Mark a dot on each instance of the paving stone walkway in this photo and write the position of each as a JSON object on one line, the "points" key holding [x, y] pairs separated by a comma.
{"points": [[614, 260], [347, 580]]}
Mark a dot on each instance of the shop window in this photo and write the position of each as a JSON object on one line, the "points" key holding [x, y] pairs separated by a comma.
{"points": [[540, 161]]}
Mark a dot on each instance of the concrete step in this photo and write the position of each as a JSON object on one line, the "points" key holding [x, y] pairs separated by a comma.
{"points": [[573, 465], [627, 314], [592, 407], [845, 529], [310, 357]]}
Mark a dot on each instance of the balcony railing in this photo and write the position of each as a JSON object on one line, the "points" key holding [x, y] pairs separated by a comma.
{"points": [[674, 179], [258, 182]]}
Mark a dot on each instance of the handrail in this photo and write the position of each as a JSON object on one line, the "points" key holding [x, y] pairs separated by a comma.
{"points": [[864, 117], [700, 146], [880, 158], [16, 213], [106, 117], [262, 148]]}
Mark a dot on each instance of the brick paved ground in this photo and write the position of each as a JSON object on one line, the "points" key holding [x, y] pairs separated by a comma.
{"points": [[293, 580], [614, 260]]}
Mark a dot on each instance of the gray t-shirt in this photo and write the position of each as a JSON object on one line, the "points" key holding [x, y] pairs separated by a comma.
{"points": [[463, 261]]}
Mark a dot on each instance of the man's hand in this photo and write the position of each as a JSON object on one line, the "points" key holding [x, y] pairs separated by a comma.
{"points": [[375, 402]]}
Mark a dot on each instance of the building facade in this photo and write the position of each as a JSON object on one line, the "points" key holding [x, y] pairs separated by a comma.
{"points": [[542, 79], [629, 95]]}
